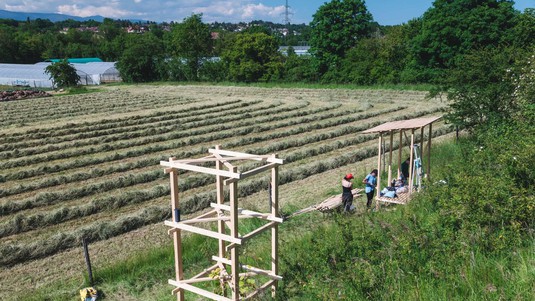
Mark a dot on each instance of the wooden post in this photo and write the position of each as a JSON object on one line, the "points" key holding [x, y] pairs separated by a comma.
{"points": [[411, 160], [429, 151], [390, 158], [220, 201], [275, 228], [400, 150], [234, 233], [177, 238], [378, 187], [422, 140], [88, 261]]}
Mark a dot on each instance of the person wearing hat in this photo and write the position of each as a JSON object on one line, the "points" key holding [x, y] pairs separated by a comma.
{"points": [[347, 195], [371, 181]]}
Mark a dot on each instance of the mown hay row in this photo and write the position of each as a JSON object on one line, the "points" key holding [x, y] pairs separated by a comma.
{"points": [[17, 253], [71, 129], [114, 135]]}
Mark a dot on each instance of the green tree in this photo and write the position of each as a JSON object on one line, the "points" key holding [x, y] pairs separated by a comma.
{"points": [[141, 59], [62, 74], [481, 88], [192, 41], [336, 27], [453, 28], [253, 57]]}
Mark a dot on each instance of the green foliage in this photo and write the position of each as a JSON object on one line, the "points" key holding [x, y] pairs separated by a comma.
{"points": [[141, 59], [336, 27], [480, 88], [467, 236], [453, 28], [253, 57], [62, 74], [191, 40]]}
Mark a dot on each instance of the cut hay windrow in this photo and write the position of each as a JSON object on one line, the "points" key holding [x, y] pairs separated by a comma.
{"points": [[217, 131], [71, 129], [21, 224], [124, 133], [16, 253]]}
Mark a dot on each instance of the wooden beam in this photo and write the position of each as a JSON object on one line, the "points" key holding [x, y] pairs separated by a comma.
{"points": [[254, 233], [205, 220], [201, 169], [400, 151], [265, 216], [260, 289], [225, 162], [411, 160], [429, 152], [275, 227], [390, 158], [234, 255], [249, 268], [220, 200], [422, 152], [204, 232], [177, 236], [204, 160], [198, 291], [378, 187], [270, 159], [252, 172]]}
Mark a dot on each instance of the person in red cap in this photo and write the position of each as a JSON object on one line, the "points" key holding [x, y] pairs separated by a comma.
{"points": [[347, 196]]}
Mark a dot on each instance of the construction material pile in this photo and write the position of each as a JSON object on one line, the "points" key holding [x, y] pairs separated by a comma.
{"points": [[328, 205], [21, 94]]}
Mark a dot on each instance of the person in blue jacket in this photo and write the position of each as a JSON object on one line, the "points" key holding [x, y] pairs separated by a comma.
{"points": [[371, 181]]}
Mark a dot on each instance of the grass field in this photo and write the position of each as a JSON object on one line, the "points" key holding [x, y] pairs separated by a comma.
{"points": [[88, 165]]}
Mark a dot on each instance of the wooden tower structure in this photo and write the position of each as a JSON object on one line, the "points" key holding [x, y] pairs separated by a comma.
{"points": [[227, 268], [402, 126]]}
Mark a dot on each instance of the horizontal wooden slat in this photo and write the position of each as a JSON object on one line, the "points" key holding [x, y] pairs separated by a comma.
{"points": [[202, 231]]}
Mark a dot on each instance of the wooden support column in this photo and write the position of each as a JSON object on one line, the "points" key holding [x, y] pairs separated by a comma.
{"points": [[275, 228], [411, 160], [390, 158], [429, 151], [400, 150], [235, 267], [378, 187], [177, 239], [220, 200], [422, 140]]}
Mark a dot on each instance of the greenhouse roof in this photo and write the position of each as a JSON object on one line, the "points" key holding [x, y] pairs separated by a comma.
{"points": [[78, 60]]}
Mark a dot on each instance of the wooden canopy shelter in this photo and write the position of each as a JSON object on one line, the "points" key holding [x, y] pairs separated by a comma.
{"points": [[227, 266], [402, 126]]}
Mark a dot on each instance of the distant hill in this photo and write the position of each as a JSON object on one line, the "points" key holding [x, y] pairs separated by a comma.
{"points": [[22, 16]]}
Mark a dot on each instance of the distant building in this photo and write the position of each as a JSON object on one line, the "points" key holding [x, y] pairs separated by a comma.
{"points": [[84, 60], [28, 75], [299, 50]]}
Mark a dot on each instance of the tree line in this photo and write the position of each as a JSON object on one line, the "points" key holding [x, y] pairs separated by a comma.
{"points": [[347, 46]]}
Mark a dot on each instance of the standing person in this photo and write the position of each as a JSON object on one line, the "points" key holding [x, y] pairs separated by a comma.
{"points": [[347, 195], [371, 181], [405, 170]]}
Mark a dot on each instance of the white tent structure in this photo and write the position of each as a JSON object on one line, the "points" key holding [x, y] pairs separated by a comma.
{"points": [[93, 73]]}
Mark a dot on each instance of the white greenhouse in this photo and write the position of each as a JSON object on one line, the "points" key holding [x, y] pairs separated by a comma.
{"points": [[93, 73]]}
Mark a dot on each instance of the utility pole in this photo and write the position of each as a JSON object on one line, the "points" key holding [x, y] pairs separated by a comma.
{"points": [[287, 14]]}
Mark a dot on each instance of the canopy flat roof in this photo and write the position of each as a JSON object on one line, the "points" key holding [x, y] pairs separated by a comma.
{"points": [[402, 125]]}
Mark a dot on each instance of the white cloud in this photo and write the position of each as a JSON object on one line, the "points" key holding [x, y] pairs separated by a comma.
{"points": [[90, 10], [156, 10], [257, 11]]}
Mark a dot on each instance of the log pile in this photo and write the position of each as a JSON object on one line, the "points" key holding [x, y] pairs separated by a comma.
{"points": [[21, 94]]}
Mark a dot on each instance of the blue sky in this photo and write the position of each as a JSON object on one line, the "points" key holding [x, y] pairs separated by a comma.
{"points": [[386, 12]]}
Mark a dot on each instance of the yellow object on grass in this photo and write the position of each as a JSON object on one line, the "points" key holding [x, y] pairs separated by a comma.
{"points": [[88, 294]]}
